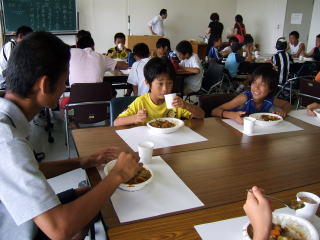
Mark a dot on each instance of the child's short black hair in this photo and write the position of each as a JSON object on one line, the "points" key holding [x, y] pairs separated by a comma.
{"points": [[216, 39], [248, 39], [295, 34], [83, 33], [184, 47], [281, 44], [38, 54], [318, 36], [141, 50], [157, 66], [23, 30], [238, 18], [269, 76], [233, 39], [119, 35], [163, 12], [162, 43], [214, 17], [85, 42], [235, 47]]}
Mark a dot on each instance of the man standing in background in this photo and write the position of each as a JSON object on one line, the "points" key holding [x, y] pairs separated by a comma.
{"points": [[156, 24], [7, 49]]}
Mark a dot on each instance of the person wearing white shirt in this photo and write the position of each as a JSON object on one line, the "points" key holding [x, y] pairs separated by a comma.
{"points": [[155, 25], [190, 62], [6, 50], [136, 76], [29, 208], [295, 47]]}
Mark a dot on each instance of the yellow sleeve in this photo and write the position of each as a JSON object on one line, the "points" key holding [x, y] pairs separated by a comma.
{"points": [[186, 114]]}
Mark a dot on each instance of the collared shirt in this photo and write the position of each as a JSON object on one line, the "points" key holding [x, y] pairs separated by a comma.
{"points": [[156, 24], [88, 66], [5, 53], [24, 192], [136, 76], [193, 82]]}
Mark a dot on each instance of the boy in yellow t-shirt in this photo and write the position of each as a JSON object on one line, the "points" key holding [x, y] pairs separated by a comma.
{"points": [[159, 74]]}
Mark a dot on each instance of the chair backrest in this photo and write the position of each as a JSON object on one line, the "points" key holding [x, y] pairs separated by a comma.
{"points": [[209, 102], [118, 105], [213, 75], [90, 92], [307, 69], [311, 88]]}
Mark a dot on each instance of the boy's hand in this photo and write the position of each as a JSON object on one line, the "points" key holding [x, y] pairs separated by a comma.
{"points": [[141, 116], [237, 116], [178, 102], [281, 113], [258, 209], [311, 107], [126, 167], [103, 156]]}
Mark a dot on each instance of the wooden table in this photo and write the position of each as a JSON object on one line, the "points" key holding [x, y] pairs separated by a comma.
{"points": [[218, 172]]}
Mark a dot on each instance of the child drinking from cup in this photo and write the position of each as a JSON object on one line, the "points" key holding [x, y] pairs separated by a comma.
{"points": [[259, 99], [159, 74]]}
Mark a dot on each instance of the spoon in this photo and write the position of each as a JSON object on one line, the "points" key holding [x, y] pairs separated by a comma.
{"points": [[294, 204]]}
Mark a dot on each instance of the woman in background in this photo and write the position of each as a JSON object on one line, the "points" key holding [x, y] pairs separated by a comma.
{"points": [[215, 29]]}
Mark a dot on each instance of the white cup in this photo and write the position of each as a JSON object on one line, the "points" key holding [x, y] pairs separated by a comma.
{"points": [[256, 54], [244, 54], [145, 151], [301, 58], [120, 46], [309, 209], [248, 124], [169, 99]]}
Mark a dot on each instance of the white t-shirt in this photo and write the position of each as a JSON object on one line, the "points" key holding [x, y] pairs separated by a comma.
{"points": [[88, 66], [156, 24], [294, 49], [24, 193], [136, 76], [193, 82], [5, 53]]}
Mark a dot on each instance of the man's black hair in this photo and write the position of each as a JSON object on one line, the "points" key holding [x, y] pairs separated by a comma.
{"points": [[235, 47], [269, 76], [318, 36], [85, 42], [248, 38], [119, 35], [238, 18], [214, 17], [233, 39], [163, 12], [157, 66], [162, 43], [216, 39], [141, 50], [38, 54], [295, 34], [184, 47], [23, 30], [83, 33]]}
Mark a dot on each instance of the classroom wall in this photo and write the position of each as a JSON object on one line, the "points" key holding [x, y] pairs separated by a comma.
{"points": [[264, 20], [314, 27], [103, 18]]}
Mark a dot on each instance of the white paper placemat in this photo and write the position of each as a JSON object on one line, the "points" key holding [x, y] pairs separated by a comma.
{"points": [[283, 126], [165, 194], [126, 71], [184, 135], [231, 229], [303, 116]]}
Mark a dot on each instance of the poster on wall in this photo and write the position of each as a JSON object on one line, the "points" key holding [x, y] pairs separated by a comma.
{"points": [[296, 18]]}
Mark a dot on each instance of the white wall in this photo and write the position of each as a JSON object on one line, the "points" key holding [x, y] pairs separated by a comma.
{"points": [[103, 18], [264, 20], [314, 27]]}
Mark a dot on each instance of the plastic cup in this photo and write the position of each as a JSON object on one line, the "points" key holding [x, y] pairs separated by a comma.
{"points": [[169, 99], [145, 150], [309, 209], [248, 124], [120, 46], [256, 54], [301, 58], [244, 54]]}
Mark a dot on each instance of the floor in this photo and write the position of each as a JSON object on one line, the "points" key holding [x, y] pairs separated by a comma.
{"points": [[58, 151]]}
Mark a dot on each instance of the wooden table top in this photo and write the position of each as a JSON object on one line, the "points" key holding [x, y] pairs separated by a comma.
{"points": [[218, 171]]}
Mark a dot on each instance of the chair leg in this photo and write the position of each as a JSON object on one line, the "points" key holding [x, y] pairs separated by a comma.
{"points": [[67, 131]]}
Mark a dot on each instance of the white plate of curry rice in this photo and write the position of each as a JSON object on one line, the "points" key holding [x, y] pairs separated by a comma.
{"points": [[266, 119], [165, 125], [139, 181], [285, 226]]}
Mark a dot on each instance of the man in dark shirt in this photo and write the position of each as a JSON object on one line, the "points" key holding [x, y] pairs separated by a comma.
{"points": [[215, 29]]}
